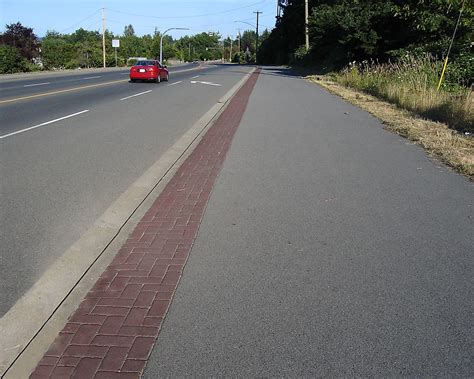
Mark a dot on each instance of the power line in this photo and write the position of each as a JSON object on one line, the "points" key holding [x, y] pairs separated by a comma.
{"points": [[190, 16], [194, 28], [80, 22]]}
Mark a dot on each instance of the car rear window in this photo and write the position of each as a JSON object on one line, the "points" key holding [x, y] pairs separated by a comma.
{"points": [[144, 63]]}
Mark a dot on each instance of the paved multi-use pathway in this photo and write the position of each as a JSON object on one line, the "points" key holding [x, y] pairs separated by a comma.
{"points": [[321, 245]]}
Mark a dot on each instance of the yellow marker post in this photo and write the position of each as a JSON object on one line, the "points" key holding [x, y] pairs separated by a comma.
{"points": [[442, 73]]}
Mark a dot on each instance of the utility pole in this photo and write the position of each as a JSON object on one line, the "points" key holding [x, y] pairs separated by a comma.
{"points": [[256, 40], [306, 8], [190, 52], [230, 57], [103, 34]]}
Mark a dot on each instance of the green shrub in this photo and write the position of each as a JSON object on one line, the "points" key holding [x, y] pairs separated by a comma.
{"points": [[31, 67], [11, 61]]}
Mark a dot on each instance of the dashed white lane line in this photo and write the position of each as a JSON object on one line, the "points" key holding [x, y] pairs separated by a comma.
{"points": [[206, 83], [43, 124], [197, 76], [36, 84], [92, 77], [138, 94], [173, 84]]}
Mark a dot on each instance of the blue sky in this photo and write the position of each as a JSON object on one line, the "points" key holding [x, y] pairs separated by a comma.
{"points": [[65, 16]]}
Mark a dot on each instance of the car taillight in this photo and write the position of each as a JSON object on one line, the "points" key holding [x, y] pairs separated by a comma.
{"points": [[151, 69]]}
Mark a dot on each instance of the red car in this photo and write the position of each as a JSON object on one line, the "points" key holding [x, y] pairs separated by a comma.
{"points": [[149, 70]]}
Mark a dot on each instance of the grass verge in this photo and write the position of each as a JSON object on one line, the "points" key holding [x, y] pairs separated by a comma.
{"points": [[411, 84], [437, 138]]}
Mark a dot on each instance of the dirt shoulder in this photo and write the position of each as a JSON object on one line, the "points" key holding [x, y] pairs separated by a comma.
{"points": [[454, 149]]}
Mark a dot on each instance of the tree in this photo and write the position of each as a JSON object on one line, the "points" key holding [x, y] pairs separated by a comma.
{"points": [[10, 60], [345, 30], [87, 48], [185, 49], [22, 38], [247, 41], [128, 31], [56, 50], [352, 31], [205, 46]]}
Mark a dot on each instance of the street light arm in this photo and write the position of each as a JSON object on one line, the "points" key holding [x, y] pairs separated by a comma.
{"points": [[161, 41], [248, 23]]}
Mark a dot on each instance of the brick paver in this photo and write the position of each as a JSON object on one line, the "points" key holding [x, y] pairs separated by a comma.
{"points": [[113, 331]]}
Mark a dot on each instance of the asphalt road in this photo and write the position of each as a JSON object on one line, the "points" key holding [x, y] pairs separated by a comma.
{"points": [[26, 85], [69, 149], [26, 101], [329, 248]]}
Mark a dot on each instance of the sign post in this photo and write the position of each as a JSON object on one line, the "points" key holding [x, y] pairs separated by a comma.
{"points": [[115, 45]]}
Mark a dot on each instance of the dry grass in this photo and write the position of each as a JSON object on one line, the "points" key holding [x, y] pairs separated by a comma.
{"points": [[411, 84], [437, 138]]}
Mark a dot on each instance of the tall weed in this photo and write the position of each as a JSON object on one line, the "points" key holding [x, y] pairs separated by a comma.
{"points": [[411, 83]]}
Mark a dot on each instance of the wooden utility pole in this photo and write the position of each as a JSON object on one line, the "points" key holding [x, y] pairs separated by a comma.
{"points": [[256, 40], [103, 35]]}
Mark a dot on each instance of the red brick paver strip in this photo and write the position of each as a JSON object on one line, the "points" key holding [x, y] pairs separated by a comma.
{"points": [[113, 331]]}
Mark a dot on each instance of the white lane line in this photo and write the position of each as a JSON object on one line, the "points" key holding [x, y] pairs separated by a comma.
{"points": [[43, 124], [197, 76], [92, 77], [173, 84], [206, 83], [138, 94], [37, 84]]}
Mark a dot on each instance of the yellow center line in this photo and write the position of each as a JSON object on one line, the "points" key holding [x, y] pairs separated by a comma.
{"points": [[61, 91], [79, 88]]}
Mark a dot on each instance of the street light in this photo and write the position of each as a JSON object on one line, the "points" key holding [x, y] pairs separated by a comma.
{"points": [[161, 41]]}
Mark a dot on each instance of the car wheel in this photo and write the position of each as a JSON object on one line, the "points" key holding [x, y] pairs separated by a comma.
{"points": [[167, 78], [158, 78], [133, 80]]}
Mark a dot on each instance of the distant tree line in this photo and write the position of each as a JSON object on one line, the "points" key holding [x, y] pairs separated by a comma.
{"points": [[342, 31], [22, 50]]}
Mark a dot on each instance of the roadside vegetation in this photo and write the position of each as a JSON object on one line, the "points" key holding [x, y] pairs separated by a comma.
{"points": [[411, 84]]}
